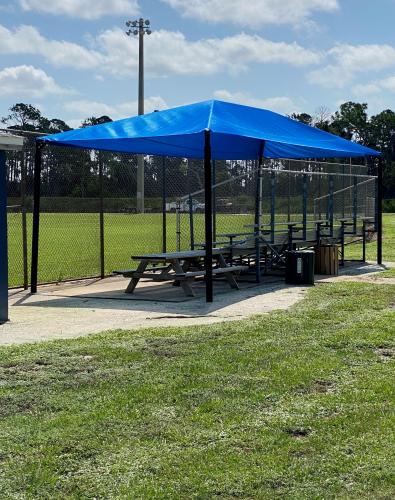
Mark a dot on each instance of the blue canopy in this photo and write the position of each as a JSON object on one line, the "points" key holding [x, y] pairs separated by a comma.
{"points": [[236, 131]]}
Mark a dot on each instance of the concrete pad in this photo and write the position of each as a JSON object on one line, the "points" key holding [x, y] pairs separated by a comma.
{"points": [[76, 309], [79, 308]]}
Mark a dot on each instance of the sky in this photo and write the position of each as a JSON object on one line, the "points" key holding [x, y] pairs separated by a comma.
{"points": [[72, 58]]}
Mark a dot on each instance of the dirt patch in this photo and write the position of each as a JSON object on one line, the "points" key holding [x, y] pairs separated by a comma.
{"points": [[322, 386], [386, 353], [298, 432], [42, 362]]}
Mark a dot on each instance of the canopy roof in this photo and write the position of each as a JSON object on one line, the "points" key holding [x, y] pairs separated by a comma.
{"points": [[237, 132]]}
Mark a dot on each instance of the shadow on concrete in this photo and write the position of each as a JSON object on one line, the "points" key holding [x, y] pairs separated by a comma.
{"points": [[163, 298], [158, 298]]}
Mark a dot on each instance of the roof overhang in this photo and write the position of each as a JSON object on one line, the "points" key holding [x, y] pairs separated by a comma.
{"points": [[9, 142]]}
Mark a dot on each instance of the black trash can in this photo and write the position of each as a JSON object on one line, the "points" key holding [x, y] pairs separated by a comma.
{"points": [[300, 267]]}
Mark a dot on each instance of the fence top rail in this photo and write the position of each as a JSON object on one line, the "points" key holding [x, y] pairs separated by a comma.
{"points": [[279, 171], [342, 190], [325, 174], [295, 160], [22, 132]]}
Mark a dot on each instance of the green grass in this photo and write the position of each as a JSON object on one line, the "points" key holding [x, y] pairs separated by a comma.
{"points": [[295, 404], [69, 243], [355, 251], [390, 273]]}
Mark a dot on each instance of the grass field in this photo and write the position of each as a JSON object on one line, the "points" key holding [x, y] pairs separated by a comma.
{"points": [[296, 405], [69, 243]]}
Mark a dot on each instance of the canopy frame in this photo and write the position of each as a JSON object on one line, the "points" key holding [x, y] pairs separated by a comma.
{"points": [[258, 145]]}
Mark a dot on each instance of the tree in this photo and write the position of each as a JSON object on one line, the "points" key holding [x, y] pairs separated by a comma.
{"points": [[26, 117], [23, 117], [351, 122], [322, 118], [52, 126], [302, 117], [93, 120], [98, 160], [382, 136], [382, 132]]}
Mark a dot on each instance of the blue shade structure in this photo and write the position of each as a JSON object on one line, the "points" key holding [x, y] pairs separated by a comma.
{"points": [[236, 133], [209, 130]]}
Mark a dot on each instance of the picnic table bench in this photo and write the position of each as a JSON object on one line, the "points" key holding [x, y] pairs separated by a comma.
{"points": [[182, 268]]}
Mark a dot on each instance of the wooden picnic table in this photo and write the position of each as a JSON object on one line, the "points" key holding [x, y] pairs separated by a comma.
{"points": [[181, 268]]}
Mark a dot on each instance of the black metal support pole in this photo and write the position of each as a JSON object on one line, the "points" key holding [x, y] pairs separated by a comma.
{"points": [[330, 204], [272, 204], [289, 197], [178, 226], [214, 200], [258, 214], [305, 206], [290, 237], [319, 195], [344, 192], [380, 212], [318, 233], [101, 216], [208, 217], [24, 223], [364, 241], [355, 205], [3, 240], [191, 228], [257, 222], [36, 215], [164, 222]]}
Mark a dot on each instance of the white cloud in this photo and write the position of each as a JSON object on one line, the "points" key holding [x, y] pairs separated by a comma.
{"points": [[29, 81], [350, 60], [7, 8], [388, 83], [253, 13], [166, 52], [366, 89], [28, 40], [282, 104], [376, 87], [85, 108], [85, 9], [170, 52]]}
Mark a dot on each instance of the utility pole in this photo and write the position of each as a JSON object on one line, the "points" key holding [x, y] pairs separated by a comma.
{"points": [[140, 28]]}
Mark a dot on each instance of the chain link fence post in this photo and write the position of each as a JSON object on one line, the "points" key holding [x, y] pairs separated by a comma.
{"points": [[101, 217], [24, 222], [164, 217]]}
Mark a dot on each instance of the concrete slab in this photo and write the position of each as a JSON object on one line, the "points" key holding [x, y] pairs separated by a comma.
{"points": [[76, 309]]}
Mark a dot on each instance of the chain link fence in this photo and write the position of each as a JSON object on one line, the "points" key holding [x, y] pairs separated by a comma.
{"points": [[290, 191], [90, 224]]}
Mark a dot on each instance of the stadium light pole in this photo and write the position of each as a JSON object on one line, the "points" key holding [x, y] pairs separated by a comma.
{"points": [[140, 28]]}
